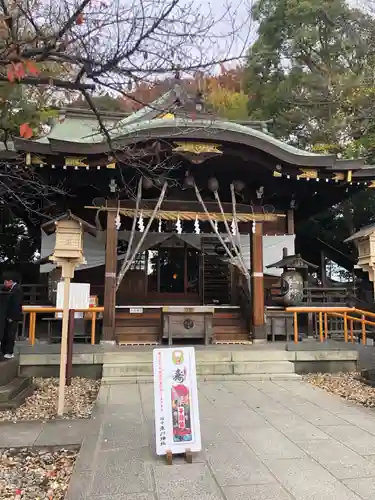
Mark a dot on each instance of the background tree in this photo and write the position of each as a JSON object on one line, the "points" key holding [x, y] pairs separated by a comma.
{"points": [[312, 71]]}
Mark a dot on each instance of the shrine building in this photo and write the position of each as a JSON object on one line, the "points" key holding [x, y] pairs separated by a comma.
{"points": [[190, 219]]}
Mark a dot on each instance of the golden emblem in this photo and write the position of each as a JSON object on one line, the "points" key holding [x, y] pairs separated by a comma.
{"points": [[308, 173], [197, 148], [75, 161]]}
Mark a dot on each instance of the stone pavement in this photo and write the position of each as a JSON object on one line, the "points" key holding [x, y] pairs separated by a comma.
{"points": [[55, 433], [261, 440]]}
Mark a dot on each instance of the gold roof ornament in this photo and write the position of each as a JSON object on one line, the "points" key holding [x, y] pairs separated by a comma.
{"points": [[308, 173], [197, 152], [75, 161], [197, 148], [339, 176], [167, 116]]}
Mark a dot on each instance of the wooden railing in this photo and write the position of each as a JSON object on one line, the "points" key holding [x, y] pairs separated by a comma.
{"points": [[322, 296], [33, 311], [349, 315], [35, 294]]}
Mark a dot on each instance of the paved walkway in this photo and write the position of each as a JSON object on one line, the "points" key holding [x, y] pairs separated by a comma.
{"points": [[262, 440], [55, 433]]}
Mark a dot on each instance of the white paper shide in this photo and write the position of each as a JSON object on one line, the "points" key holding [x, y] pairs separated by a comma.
{"points": [[176, 401]]}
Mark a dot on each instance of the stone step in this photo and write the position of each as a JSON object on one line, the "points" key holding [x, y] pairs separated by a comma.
{"points": [[144, 369], [18, 399], [146, 379], [214, 355], [8, 371], [15, 387]]}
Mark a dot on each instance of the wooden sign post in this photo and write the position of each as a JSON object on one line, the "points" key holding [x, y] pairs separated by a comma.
{"points": [[177, 421], [68, 254]]}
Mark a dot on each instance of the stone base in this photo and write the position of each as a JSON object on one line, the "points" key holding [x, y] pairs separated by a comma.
{"points": [[14, 389]]}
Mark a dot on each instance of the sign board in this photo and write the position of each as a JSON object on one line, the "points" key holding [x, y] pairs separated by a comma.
{"points": [[136, 310], [79, 297], [177, 422]]}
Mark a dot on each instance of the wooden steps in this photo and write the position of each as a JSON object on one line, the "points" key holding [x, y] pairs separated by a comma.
{"points": [[229, 325], [146, 327], [140, 328]]}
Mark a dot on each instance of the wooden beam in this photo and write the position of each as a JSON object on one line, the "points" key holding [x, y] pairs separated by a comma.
{"points": [[290, 221], [257, 285], [190, 206], [110, 279]]}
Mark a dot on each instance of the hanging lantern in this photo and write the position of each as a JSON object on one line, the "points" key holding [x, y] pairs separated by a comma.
{"points": [[197, 229], [216, 225], [141, 225], [238, 186], [253, 227], [146, 183], [189, 180], [213, 184], [233, 228], [159, 228]]}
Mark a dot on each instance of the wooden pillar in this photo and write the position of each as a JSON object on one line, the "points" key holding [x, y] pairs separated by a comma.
{"points": [[290, 221], [257, 284], [110, 279]]}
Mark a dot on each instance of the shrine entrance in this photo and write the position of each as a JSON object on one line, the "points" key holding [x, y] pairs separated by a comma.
{"points": [[173, 270]]}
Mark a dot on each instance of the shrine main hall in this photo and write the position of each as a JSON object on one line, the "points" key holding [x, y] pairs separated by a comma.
{"points": [[189, 219]]}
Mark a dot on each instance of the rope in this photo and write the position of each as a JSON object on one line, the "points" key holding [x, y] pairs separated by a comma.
{"points": [[241, 262], [144, 234], [199, 197], [130, 243], [246, 271]]}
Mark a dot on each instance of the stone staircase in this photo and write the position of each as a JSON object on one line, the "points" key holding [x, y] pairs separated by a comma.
{"points": [[13, 388], [135, 366]]}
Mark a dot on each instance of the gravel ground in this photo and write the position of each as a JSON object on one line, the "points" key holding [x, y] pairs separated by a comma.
{"points": [[345, 385], [41, 405], [35, 475]]}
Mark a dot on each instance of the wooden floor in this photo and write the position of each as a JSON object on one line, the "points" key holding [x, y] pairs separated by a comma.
{"points": [[146, 326]]}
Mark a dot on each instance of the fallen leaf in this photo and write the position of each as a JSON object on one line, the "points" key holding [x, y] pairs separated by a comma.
{"points": [[26, 131], [19, 70], [32, 68]]}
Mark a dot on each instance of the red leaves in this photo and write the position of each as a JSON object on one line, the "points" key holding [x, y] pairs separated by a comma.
{"points": [[10, 74], [79, 19], [32, 68], [26, 131], [17, 71]]}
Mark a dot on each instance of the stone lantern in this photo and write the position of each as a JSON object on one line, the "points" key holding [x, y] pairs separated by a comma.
{"points": [[364, 239]]}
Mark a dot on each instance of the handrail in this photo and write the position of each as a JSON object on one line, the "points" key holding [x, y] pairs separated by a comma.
{"points": [[34, 310], [340, 312]]}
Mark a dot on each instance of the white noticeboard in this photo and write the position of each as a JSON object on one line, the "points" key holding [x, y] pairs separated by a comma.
{"points": [[79, 297], [177, 421]]}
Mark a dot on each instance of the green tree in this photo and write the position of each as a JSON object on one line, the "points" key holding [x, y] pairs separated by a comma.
{"points": [[312, 70], [301, 70]]}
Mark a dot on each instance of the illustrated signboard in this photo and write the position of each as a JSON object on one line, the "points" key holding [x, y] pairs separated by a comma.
{"points": [[177, 422]]}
